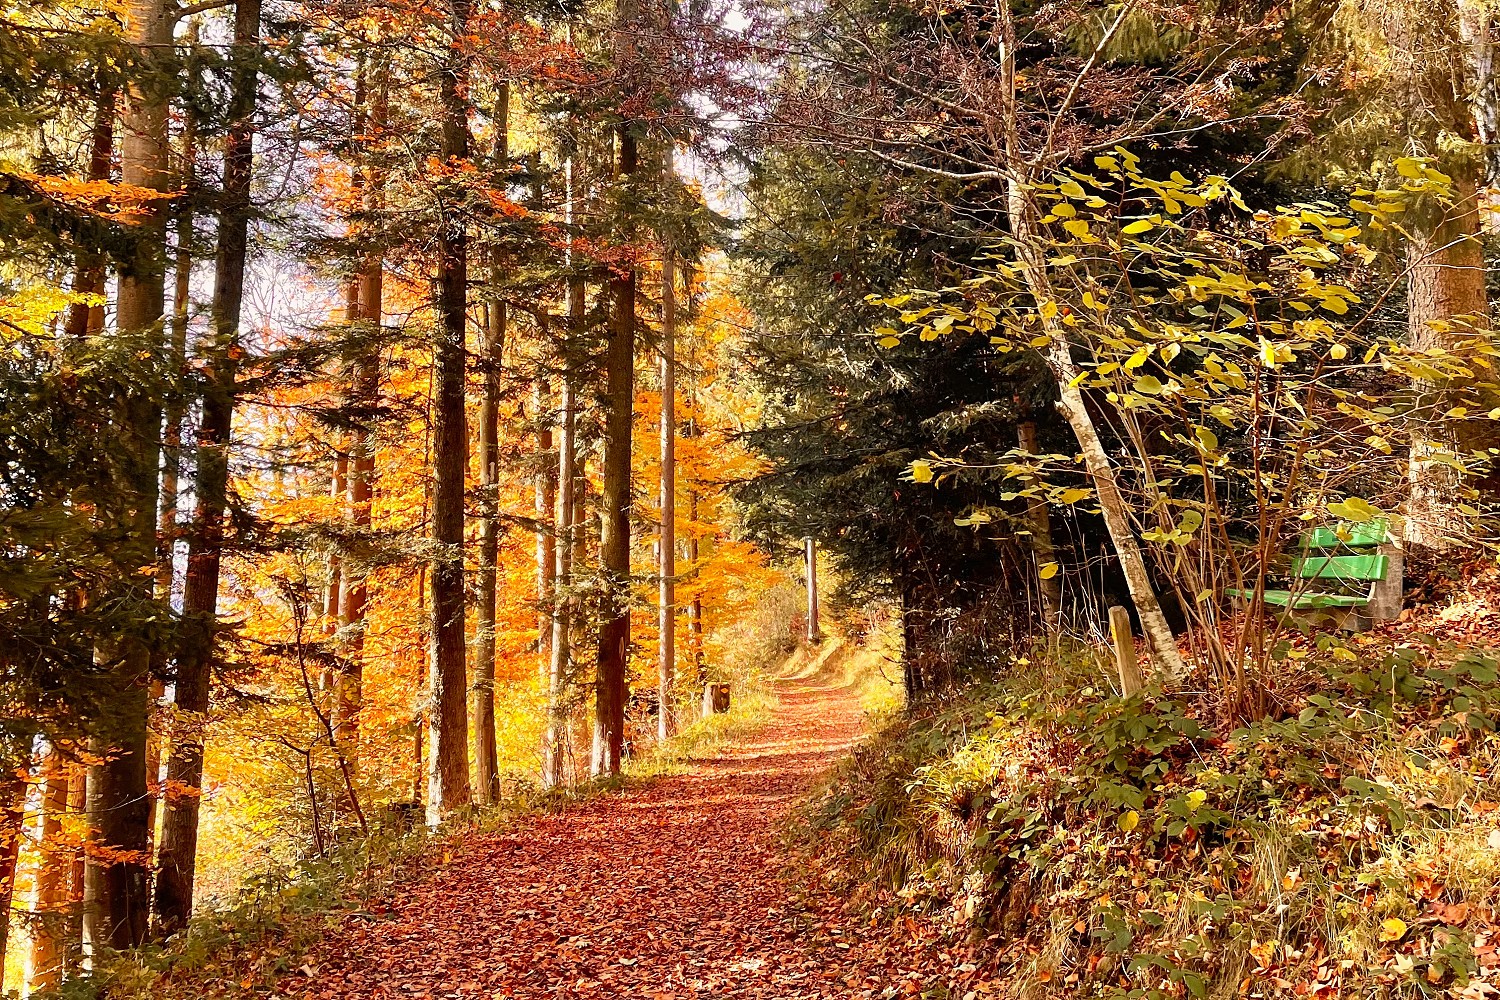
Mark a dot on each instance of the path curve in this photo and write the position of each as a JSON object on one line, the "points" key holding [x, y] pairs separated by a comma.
{"points": [[672, 890]]}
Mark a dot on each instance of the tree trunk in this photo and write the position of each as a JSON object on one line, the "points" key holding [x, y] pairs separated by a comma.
{"points": [[171, 465], [179, 841], [545, 490], [88, 279], [1476, 30], [1446, 301], [117, 887], [12, 829], [48, 954], [810, 572], [447, 735], [1024, 213], [563, 602], [619, 411], [486, 754], [77, 806], [614, 538], [1039, 523], [695, 606], [667, 596], [354, 592]]}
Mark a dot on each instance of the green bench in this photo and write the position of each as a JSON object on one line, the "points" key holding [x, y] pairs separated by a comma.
{"points": [[1352, 571]]}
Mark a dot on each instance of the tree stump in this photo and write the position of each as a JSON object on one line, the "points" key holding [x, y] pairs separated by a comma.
{"points": [[715, 699]]}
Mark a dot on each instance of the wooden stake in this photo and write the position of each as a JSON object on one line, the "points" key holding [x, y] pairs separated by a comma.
{"points": [[1124, 642]]}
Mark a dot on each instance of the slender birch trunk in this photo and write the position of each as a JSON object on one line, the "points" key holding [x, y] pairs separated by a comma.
{"points": [[667, 591], [1039, 523]]}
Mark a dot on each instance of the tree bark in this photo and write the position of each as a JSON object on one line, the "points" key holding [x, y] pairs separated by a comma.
{"points": [[179, 841], [486, 754], [447, 729], [695, 606], [1039, 523], [545, 499], [368, 315], [666, 667], [12, 829], [48, 955], [1446, 303], [117, 887], [88, 278], [563, 602], [619, 412], [1023, 216]]}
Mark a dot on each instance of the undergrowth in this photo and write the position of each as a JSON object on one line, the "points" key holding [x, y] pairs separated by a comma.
{"points": [[1107, 847]]}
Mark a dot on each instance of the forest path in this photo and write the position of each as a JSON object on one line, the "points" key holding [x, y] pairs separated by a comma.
{"points": [[674, 889]]}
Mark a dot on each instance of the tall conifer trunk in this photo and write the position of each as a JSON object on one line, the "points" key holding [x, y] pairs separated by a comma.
{"points": [[619, 412], [179, 841], [364, 393], [116, 884], [486, 754], [12, 822], [45, 961], [88, 278], [544, 490], [447, 729]]}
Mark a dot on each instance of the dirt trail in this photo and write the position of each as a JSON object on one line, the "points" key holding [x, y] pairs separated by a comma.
{"points": [[676, 889]]}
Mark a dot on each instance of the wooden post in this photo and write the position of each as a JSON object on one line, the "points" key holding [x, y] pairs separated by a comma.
{"points": [[814, 634], [1386, 598], [1124, 643]]}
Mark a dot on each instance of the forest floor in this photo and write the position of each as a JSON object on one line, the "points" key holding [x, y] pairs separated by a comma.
{"points": [[684, 886]]}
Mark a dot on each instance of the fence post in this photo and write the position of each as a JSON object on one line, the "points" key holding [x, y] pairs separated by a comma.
{"points": [[1124, 643]]}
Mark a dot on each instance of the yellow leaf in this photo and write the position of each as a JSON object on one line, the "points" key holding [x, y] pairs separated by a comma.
{"points": [[1392, 929], [1048, 570], [1195, 799], [889, 341], [1077, 227], [1267, 353], [1338, 352], [1139, 226], [1072, 496], [921, 471], [1129, 820], [1072, 189]]}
